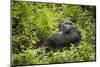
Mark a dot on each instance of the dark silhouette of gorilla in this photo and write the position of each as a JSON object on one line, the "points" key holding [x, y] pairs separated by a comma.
{"points": [[64, 38]]}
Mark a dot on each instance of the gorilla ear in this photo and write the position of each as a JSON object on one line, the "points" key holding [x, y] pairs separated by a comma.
{"points": [[62, 25]]}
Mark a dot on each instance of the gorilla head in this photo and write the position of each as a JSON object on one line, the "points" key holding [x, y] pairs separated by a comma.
{"points": [[66, 26]]}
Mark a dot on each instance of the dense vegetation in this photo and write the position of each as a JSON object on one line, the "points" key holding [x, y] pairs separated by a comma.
{"points": [[33, 23]]}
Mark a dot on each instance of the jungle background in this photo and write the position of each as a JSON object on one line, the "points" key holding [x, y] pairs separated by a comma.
{"points": [[33, 23]]}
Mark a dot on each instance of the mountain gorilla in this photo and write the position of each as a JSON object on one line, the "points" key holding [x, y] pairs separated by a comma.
{"points": [[64, 38]]}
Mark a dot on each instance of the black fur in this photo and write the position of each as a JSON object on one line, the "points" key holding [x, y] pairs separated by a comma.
{"points": [[62, 39]]}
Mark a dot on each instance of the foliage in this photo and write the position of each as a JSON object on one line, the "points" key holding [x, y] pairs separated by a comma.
{"points": [[34, 23], [39, 56]]}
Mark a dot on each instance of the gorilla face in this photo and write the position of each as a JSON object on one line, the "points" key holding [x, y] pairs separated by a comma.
{"points": [[66, 26]]}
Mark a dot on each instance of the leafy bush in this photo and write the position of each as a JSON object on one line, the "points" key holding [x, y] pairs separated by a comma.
{"points": [[38, 56]]}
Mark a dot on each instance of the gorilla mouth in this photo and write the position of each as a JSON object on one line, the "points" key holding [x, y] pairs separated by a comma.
{"points": [[68, 30]]}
